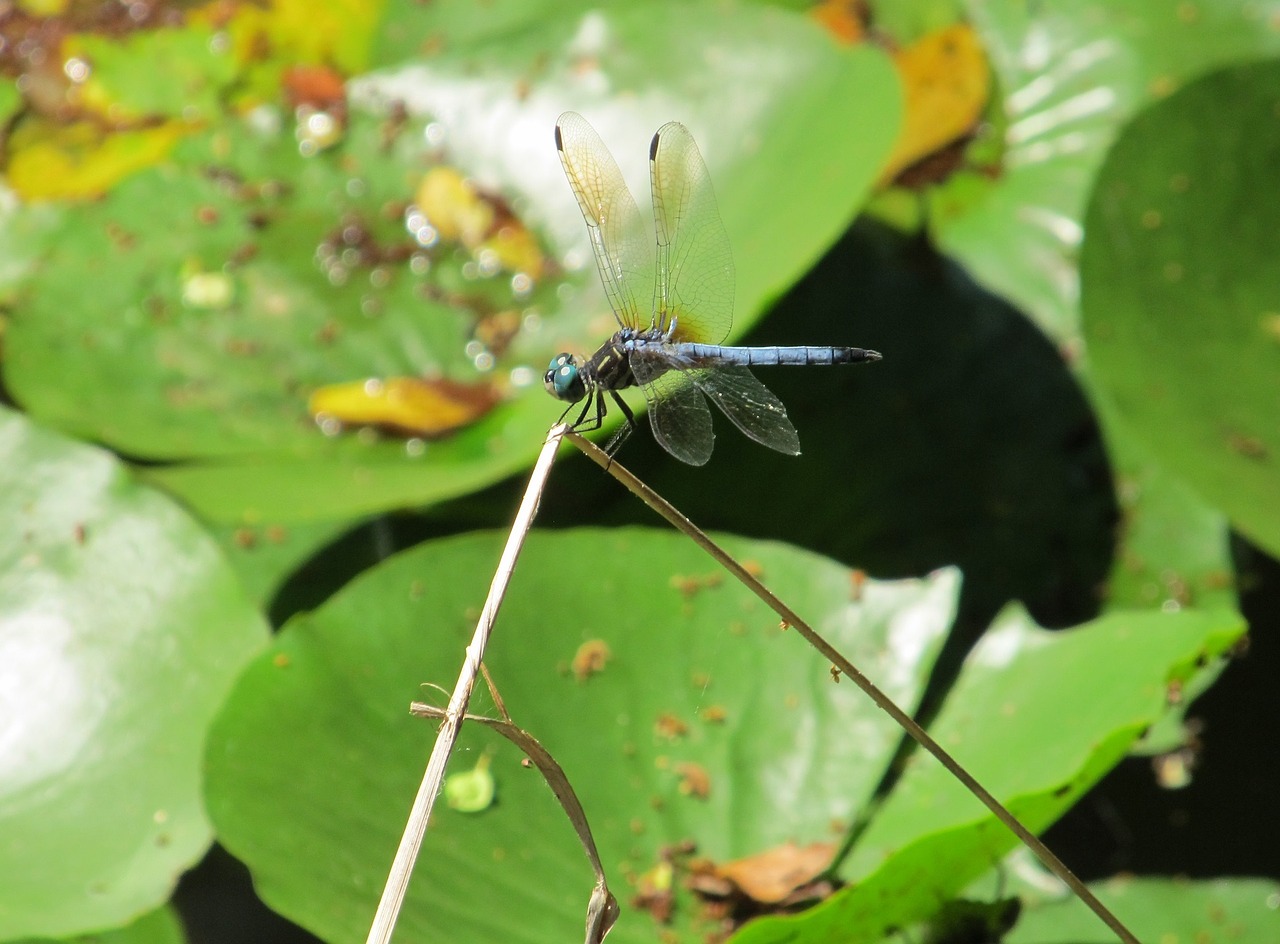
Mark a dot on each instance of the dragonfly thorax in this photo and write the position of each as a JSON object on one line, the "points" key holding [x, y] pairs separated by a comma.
{"points": [[563, 379]]}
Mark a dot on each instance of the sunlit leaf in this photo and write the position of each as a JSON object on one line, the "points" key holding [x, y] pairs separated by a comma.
{"points": [[121, 628], [1072, 73]]}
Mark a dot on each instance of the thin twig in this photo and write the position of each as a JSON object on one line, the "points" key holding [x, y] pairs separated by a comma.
{"points": [[883, 701], [384, 920]]}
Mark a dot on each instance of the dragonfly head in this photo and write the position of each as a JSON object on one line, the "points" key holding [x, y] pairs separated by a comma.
{"points": [[562, 379]]}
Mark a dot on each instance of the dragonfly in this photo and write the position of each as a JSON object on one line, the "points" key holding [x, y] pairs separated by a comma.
{"points": [[672, 295]]}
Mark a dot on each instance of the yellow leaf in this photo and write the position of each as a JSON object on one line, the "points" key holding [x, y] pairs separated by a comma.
{"points": [[48, 8], [80, 161], [405, 404], [516, 249], [454, 207], [947, 82], [461, 213], [272, 36]]}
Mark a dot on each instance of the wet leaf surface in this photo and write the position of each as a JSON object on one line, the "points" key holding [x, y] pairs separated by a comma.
{"points": [[280, 251]]}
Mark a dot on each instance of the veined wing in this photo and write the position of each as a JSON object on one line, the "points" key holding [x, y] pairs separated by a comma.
{"points": [[695, 279], [618, 238], [677, 409], [750, 405]]}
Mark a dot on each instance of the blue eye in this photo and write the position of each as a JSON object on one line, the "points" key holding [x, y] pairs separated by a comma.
{"points": [[562, 379]]}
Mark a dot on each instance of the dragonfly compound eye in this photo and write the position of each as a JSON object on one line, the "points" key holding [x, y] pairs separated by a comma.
{"points": [[562, 379]]}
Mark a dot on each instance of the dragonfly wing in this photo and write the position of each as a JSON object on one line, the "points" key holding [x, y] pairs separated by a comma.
{"points": [[750, 406], [622, 248], [695, 277], [677, 409]]}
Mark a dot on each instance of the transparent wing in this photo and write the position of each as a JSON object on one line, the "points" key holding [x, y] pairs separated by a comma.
{"points": [[618, 238], [695, 278], [677, 409], [750, 406]]}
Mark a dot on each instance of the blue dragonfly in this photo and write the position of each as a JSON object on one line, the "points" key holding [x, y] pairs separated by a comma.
{"points": [[674, 351]]}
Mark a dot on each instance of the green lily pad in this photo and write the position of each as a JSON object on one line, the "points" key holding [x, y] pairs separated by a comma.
{"points": [[1173, 546], [1072, 73], [25, 235], [690, 716], [218, 374], [121, 629], [1181, 293], [10, 101], [1220, 911], [216, 383], [408, 29], [1004, 721], [156, 927], [123, 71], [265, 555]]}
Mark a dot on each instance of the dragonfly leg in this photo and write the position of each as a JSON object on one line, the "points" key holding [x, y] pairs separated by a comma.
{"points": [[621, 435], [580, 422], [567, 411]]}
